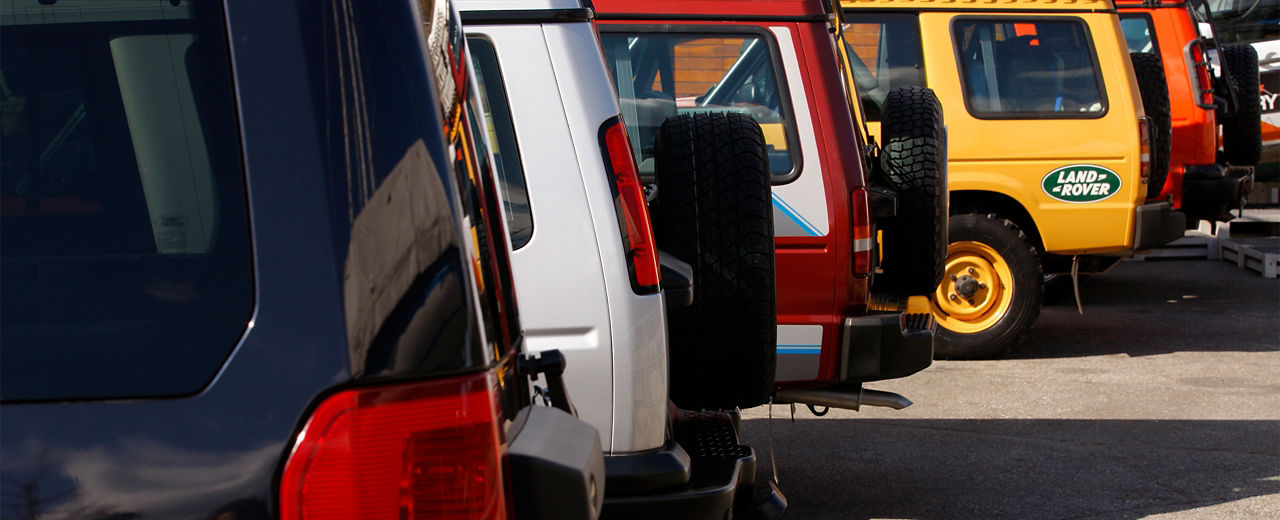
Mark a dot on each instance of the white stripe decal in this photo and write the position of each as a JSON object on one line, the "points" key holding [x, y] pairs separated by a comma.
{"points": [[799, 219]]}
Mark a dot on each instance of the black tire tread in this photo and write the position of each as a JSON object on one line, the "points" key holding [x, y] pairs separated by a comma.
{"points": [[1242, 130], [714, 210], [913, 162], [1154, 90]]}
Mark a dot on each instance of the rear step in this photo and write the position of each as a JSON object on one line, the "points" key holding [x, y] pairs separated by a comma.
{"points": [[721, 484]]}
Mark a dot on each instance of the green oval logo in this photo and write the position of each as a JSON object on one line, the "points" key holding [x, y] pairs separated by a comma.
{"points": [[1081, 183]]}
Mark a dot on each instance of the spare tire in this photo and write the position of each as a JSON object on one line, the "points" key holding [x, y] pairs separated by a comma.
{"points": [[714, 210], [1242, 129], [913, 162], [1154, 90]]}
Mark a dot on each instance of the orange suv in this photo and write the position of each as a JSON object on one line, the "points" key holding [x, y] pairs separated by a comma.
{"points": [[1207, 85]]}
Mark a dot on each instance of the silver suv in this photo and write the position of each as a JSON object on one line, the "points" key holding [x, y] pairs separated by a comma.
{"points": [[590, 279]]}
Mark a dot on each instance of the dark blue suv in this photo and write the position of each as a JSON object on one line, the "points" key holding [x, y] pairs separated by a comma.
{"points": [[254, 266]]}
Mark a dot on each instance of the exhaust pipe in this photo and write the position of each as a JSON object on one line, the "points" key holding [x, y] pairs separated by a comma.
{"points": [[846, 399]]}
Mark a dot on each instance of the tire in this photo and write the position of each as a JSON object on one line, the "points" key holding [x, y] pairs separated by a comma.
{"points": [[913, 162], [1004, 285], [714, 210], [1242, 129], [1154, 90]]}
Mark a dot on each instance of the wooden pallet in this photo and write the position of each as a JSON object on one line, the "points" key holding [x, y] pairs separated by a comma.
{"points": [[1265, 259], [1186, 247]]}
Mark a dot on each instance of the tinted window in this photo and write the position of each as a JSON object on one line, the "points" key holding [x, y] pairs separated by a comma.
{"points": [[661, 75], [1138, 33], [1031, 68], [502, 136], [1244, 21], [126, 264], [884, 53]]}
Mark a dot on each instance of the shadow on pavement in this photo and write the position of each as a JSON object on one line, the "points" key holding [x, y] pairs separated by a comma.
{"points": [[1162, 306], [1015, 469]]}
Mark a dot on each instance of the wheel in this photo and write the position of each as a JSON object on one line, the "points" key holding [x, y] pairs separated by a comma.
{"points": [[1154, 90], [714, 210], [1242, 129], [991, 291], [913, 163]]}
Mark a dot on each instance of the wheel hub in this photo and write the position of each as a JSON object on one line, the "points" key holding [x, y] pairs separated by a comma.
{"points": [[966, 286], [976, 290]]}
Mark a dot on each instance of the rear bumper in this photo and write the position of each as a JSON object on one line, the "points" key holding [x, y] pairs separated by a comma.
{"points": [[718, 476], [1156, 224], [1212, 191], [885, 346]]}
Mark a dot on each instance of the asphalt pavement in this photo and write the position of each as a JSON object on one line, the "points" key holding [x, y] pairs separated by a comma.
{"points": [[1161, 401]]}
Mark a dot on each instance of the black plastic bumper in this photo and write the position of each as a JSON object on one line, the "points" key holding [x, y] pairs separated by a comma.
{"points": [[1212, 191], [1156, 224], [886, 346], [720, 484]]}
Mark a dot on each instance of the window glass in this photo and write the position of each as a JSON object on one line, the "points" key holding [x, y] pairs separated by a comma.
{"points": [[884, 53], [662, 75], [1031, 68], [502, 137], [126, 264], [1245, 21], [1137, 33]]}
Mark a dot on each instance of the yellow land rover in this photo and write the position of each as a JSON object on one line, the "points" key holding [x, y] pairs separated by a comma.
{"points": [[1048, 148]]}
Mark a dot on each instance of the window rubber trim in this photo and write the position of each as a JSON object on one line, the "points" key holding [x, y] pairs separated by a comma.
{"points": [[528, 16], [1093, 58], [779, 76]]}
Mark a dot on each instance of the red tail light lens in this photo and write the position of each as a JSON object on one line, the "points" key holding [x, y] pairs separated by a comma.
{"points": [[863, 241], [417, 450], [1144, 147], [631, 207], [1204, 77]]}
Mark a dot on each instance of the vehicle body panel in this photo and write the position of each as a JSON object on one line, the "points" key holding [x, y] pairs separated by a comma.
{"points": [[319, 162], [572, 274], [817, 289], [1012, 156]]}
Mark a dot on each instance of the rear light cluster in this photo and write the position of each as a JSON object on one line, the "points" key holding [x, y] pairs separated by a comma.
{"points": [[1199, 62], [417, 450], [863, 241], [631, 207], [1144, 147]]}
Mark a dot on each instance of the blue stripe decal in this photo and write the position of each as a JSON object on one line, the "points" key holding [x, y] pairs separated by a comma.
{"points": [[800, 349], [795, 216]]}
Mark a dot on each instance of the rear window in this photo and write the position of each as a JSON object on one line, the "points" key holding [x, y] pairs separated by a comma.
{"points": [[884, 53], [1028, 68], [662, 75], [1138, 32], [126, 265], [502, 136]]}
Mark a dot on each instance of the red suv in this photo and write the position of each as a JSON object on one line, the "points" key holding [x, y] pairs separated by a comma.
{"points": [[843, 315]]}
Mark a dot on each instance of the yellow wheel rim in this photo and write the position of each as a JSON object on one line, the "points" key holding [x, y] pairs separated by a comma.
{"points": [[976, 290]]}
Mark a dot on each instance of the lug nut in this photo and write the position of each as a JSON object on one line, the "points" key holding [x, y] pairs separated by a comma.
{"points": [[954, 297], [971, 271]]}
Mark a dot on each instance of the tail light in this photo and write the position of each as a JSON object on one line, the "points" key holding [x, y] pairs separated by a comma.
{"points": [[417, 450], [863, 240], [1199, 62], [1144, 147], [631, 207]]}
